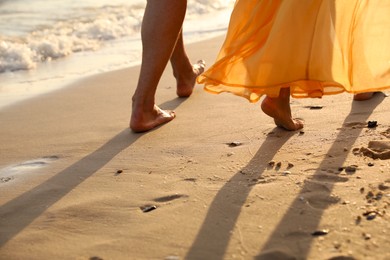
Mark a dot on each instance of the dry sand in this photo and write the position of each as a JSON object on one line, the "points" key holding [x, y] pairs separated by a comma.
{"points": [[224, 183]]}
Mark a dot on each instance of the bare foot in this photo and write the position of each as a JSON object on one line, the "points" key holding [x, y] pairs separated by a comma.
{"points": [[142, 121], [363, 96], [279, 109], [186, 81]]}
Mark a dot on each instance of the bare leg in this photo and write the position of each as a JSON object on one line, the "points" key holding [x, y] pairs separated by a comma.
{"points": [[161, 27], [184, 72], [363, 96], [279, 109]]}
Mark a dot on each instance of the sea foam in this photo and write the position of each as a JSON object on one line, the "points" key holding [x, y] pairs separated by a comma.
{"points": [[45, 45], [67, 37]]}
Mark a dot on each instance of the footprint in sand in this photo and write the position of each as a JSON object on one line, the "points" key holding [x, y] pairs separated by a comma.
{"points": [[376, 150], [9, 173], [33, 164], [190, 179], [321, 201], [318, 194], [148, 208], [327, 178], [170, 197], [355, 125], [5, 179], [386, 133]]}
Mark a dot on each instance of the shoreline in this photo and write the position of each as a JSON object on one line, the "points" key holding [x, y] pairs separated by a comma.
{"points": [[114, 54], [82, 179], [19, 86]]}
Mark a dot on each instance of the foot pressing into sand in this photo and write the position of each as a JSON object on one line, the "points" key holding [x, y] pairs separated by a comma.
{"points": [[279, 109], [145, 120], [186, 77]]}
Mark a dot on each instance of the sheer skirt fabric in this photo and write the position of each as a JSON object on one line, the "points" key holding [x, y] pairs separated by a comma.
{"points": [[315, 47]]}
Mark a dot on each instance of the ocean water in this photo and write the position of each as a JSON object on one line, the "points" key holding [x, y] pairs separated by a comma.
{"points": [[45, 45]]}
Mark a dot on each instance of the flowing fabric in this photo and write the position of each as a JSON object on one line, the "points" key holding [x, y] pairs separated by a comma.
{"points": [[315, 47]]}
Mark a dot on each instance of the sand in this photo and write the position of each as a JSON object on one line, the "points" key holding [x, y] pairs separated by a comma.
{"points": [[218, 182]]}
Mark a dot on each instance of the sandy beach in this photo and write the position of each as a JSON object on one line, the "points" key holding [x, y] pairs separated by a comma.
{"points": [[218, 182]]}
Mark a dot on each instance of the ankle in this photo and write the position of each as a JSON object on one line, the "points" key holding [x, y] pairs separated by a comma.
{"points": [[182, 69]]}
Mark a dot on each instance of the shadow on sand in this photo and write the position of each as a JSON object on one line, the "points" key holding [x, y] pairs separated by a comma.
{"points": [[18, 213], [215, 233]]}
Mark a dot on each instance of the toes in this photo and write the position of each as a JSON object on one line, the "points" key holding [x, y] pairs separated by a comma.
{"points": [[170, 114], [290, 125], [199, 67], [164, 114], [298, 123]]}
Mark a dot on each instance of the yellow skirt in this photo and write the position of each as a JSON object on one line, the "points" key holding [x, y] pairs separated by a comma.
{"points": [[315, 47]]}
